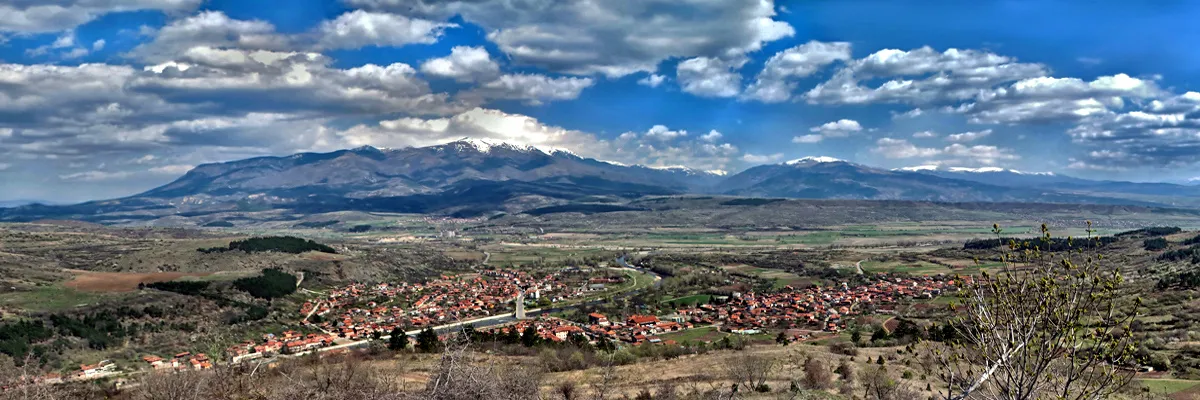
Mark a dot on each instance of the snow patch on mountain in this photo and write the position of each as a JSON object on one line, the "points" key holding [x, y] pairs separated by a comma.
{"points": [[816, 159]]}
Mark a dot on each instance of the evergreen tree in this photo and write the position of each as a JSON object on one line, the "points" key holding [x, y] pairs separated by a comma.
{"points": [[428, 341], [398, 341], [529, 337]]}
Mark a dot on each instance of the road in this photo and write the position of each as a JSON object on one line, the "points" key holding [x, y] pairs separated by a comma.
{"points": [[858, 265]]}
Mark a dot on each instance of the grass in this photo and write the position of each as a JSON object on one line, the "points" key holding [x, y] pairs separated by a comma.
{"points": [[693, 299], [702, 334], [1168, 386], [52, 298]]}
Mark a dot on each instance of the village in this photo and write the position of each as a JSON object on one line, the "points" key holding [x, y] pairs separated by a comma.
{"points": [[358, 313], [799, 313]]}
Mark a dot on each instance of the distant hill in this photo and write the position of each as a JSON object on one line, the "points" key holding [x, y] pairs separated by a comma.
{"points": [[468, 178]]}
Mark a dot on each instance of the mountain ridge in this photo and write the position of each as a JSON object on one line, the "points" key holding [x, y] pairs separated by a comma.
{"points": [[482, 176]]}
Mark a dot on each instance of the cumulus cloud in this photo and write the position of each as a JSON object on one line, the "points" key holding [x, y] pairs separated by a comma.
{"points": [[925, 135], [360, 28], [652, 80], [660, 132], [810, 138], [968, 136], [645, 148], [1047, 99], [532, 88], [839, 128], [954, 154], [709, 77], [210, 30], [921, 76], [464, 64], [1163, 134], [614, 38], [776, 82], [62, 15], [711, 136], [762, 158]]}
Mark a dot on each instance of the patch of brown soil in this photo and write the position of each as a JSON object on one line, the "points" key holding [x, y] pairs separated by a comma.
{"points": [[89, 281]]}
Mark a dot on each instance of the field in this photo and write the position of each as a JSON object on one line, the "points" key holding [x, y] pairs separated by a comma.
{"points": [[53, 298], [1168, 386], [781, 278], [110, 282]]}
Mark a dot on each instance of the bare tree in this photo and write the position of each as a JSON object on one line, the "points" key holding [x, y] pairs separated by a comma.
{"points": [[1047, 325], [750, 371], [817, 375]]}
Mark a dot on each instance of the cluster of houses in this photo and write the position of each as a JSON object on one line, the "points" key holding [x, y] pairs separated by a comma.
{"points": [[359, 310], [288, 342], [799, 312], [185, 361], [637, 329], [817, 308]]}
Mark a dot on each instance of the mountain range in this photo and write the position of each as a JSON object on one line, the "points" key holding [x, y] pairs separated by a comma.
{"points": [[473, 177]]}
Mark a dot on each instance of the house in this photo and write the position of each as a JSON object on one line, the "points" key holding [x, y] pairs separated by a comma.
{"points": [[598, 319], [642, 320]]}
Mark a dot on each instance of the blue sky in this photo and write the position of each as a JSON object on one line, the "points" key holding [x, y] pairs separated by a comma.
{"points": [[105, 98]]}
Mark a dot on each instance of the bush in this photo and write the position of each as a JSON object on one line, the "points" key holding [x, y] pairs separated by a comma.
{"points": [[271, 284], [282, 244], [1153, 231], [190, 288], [1155, 244]]}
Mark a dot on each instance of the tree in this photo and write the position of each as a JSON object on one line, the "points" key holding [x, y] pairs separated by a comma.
{"points": [[1047, 325], [529, 337], [817, 375], [880, 334], [398, 340], [781, 339], [428, 341], [856, 335], [750, 370]]}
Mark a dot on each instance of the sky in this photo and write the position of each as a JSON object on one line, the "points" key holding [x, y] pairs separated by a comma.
{"points": [[106, 98]]}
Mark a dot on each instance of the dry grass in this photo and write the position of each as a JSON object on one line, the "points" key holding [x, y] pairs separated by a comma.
{"points": [[116, 282]]}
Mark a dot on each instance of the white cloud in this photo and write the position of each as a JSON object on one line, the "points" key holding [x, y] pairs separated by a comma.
{"points": [[812, 138], [464, 64], [921, 76], [762, 159], [652, 80], [62, 15], [210, 30], [360, 28], [174, 169], [968, 136], [711, 136], [1047, 99], [925, 135], [98, 45], [660, 132], [709, 77], [776, 82], [900, 148], [92, 176], [534, 89], [614, 38], [646, 148], [954, 154], [839, 128]]}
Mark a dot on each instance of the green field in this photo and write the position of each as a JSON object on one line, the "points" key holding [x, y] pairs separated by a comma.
{"points": [[693, 299], [1168, 386], [52, 298]]}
